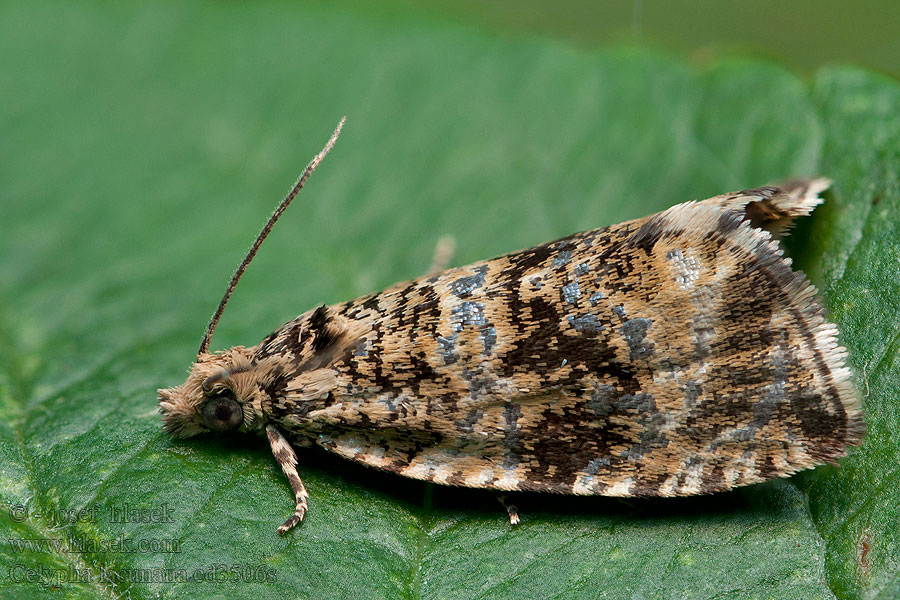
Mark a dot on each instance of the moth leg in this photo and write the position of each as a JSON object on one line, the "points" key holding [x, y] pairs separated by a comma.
{"points": [[286, 457], [443, 252], [511, 510]]}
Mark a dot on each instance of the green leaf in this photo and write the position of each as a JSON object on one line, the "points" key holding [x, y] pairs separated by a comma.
{"points": [[142, 147]]}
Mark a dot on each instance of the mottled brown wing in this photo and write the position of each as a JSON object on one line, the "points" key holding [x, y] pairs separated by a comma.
{"points": [[672, 355]]}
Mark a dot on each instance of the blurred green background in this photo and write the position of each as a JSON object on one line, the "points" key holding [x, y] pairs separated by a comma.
{"points": [[143, 144], [802, 34]]}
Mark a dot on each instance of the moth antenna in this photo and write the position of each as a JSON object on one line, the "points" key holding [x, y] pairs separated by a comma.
{"points": [[204, 345]]}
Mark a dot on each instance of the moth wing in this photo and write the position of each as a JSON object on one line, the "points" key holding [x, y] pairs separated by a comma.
{"points": [[672, 355]]}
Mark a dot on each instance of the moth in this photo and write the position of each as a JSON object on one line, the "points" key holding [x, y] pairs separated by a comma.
{"points": [[671, 355]]}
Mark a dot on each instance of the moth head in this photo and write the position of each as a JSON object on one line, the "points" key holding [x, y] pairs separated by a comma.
{"points": [[223, 391], [220, 394]]}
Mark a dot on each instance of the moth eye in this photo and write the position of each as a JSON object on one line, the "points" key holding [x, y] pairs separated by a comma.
{"points": [[222, 412]]}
